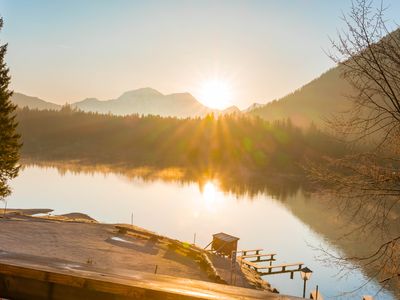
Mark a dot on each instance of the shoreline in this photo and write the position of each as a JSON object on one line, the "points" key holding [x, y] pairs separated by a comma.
{"points": [[117, 248]]}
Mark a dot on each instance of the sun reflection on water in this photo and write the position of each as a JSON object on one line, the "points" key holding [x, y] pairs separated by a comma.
{"points": [[212, 196]]}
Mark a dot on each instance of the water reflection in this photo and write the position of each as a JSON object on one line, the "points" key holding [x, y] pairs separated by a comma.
{"points": [[246, 184], [169, 202]]}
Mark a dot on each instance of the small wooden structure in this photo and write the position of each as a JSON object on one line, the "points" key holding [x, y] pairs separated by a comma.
{"points": [[224, 244], [252, 258]]}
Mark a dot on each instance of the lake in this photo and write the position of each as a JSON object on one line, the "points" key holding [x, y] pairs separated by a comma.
{"points": [[182, 209]]}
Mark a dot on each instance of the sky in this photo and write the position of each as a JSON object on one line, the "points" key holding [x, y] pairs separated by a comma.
{"points": [[65, 51]]}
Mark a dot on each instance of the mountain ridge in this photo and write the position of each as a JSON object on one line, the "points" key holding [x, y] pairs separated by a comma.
{"points": [[144, 101], [22, 100]]}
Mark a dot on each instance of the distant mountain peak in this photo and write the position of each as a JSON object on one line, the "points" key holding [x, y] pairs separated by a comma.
{"points": [[89, 100], [142, 92], [231, 109], [254, 106], [184, 95], [23, 100]]}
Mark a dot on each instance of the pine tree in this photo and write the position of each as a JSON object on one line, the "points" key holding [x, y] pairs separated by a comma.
{"points": [[9, 139]]}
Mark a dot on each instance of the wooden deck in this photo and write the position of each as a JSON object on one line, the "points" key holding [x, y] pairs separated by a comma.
{"points": [[260, 257], [27, 280], [279, 269], [270, 269]]}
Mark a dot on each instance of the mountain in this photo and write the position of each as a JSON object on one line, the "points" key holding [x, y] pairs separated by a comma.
{"points": [[329, 94], [253, 107], [22, 101], [314, 102], [147, 101], [141, 101], [231, 110]]}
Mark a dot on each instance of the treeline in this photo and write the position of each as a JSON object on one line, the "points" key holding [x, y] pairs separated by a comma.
{"points": [[230, 143]]}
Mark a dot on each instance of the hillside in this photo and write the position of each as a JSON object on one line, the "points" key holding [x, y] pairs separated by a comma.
{"points": [[313, 102], [32, 102]]}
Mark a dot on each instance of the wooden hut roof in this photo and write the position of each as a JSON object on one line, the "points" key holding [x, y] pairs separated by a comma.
{"points": [[225, 237]]}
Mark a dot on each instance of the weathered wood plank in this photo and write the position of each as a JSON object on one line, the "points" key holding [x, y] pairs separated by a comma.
{"points": [[258, 255], [257, 251], [25, 280], [299, 265]]}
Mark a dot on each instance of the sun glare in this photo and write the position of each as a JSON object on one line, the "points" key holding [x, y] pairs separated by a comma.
{"points": [[210, 191], [212, 196], [216, 93]]}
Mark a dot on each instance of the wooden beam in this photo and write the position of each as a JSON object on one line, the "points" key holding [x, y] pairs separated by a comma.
{"points": [[260, 257], [250, 264], [283, 268], [257, 251]]}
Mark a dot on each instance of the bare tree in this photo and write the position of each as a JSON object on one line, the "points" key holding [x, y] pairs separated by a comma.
{"points": [[368, 53], [366, 187]]}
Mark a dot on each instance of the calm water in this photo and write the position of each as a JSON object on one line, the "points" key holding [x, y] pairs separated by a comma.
{"points": [[180, 210]]}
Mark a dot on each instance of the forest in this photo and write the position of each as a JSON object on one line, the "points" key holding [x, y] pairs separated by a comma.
{"points": [[230, 143]]}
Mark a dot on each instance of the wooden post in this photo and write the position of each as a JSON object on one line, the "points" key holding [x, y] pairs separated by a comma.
{"points": [[233, 264]]}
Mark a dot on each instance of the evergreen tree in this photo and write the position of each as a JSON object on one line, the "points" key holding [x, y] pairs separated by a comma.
{"points": [[9, 139]]}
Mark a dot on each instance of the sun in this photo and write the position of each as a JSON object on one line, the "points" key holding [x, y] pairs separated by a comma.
{"points": [[216, 93]]}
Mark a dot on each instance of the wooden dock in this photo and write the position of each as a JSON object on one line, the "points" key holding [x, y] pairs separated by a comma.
{"points": [[260, 257], [257, 257]]}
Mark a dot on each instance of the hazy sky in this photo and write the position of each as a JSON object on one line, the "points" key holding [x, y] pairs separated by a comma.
{"points": [[64, 51]]}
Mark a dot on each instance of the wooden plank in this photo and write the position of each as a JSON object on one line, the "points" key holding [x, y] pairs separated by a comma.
{"points": [[258, 255], [271, 268], [247, 262], [22, 280], [257, 251], [281, 269], [283, 266], [251, 264], [251, 250], [255, 255]]}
